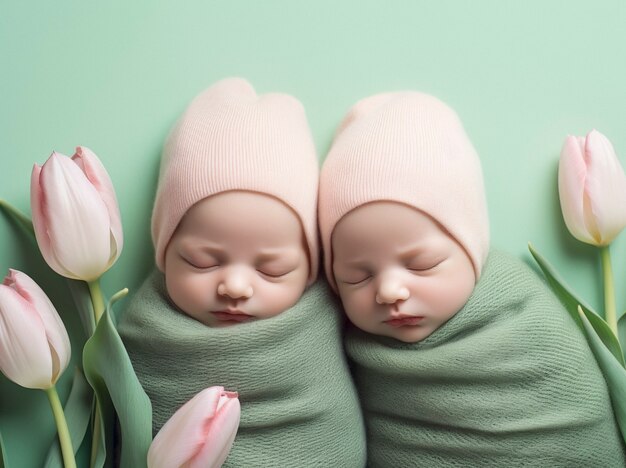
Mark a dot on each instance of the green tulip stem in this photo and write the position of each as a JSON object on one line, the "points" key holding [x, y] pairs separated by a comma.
{"points": [[95, 439], [96, 298], [610, 310], [64, 433]]}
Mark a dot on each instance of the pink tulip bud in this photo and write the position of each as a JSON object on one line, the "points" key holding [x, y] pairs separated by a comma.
{"points": [[75, 215], [34, 346], [592, 189], [199, 434]]}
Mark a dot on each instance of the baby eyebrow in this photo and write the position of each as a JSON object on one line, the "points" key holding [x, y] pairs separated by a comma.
{"points": [[275, 254], [358, 264], [411, 252], [212, 250], [268, 257]]}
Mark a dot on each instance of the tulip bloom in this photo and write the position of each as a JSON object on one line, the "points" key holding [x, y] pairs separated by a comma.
{"points": [[199, 434], [592, 189], [34, 346], [75, 215]]}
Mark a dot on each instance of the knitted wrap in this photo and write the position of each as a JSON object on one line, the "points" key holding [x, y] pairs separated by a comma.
{"points": [[299, 407], [508, 381]]}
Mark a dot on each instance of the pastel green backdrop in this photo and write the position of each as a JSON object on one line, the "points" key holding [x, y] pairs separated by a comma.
{"points": [[115, 77]]}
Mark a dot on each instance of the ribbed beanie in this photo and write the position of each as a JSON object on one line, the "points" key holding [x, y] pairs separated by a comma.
{"points": [[231, 139], [410, 148]]}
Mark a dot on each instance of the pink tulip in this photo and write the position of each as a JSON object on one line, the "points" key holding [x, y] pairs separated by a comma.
{"points": [[34, 346], [592, 189], [199, 434], [75, 215]]}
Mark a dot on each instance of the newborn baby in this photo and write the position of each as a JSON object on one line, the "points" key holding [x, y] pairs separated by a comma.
{"points": [[461, 355], [236, 257], [234, 300]]}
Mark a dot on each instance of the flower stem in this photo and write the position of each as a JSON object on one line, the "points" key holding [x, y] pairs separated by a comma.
{"points": [[64, 433], [610, 310], [95, 440], [96, 298]]}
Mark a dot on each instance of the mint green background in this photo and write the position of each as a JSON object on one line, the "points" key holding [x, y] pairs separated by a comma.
{"points": [[115, 76]]}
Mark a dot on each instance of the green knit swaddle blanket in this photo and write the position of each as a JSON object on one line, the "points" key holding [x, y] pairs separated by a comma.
{"points": [[299, 407], [508, 381]]}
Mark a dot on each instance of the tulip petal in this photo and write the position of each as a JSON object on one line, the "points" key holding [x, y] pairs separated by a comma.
{"points": [[55, 330], [572, 176], [183, 435], [220, 436], [77, 219], [606, 187], [99, 177], [24, 350], [37, 202]]}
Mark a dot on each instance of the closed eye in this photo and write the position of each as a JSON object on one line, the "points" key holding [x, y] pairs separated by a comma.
{"points": [[425, 267], [198, 266], [355, 282], [273, 274]]}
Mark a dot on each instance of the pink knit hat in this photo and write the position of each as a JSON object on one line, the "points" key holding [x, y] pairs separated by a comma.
{"points": [[231, 139], [410, 148]]}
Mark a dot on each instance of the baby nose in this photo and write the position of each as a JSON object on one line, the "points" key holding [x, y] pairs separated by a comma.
{"points": [[391, 290], [235, 284]]}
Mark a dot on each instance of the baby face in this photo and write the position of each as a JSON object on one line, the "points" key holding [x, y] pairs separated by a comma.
{"points": [[235, 257], [399, 274]]}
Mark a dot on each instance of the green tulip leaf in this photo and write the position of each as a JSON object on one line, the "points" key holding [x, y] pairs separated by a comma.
{"points": [[613, 371], [571, 303], [621, 331], [94, 353], [82, 299], [77, 413], [110, 372], [3, 460], [19, 218]]}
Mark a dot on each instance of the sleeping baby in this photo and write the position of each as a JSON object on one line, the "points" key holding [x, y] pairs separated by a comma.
{"points": [[462, 356], [234, 300]]}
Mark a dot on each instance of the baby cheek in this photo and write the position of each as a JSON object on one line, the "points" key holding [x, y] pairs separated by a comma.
{"points": [[449, 294], [278, 297], [358, 306], [188, 291]]}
